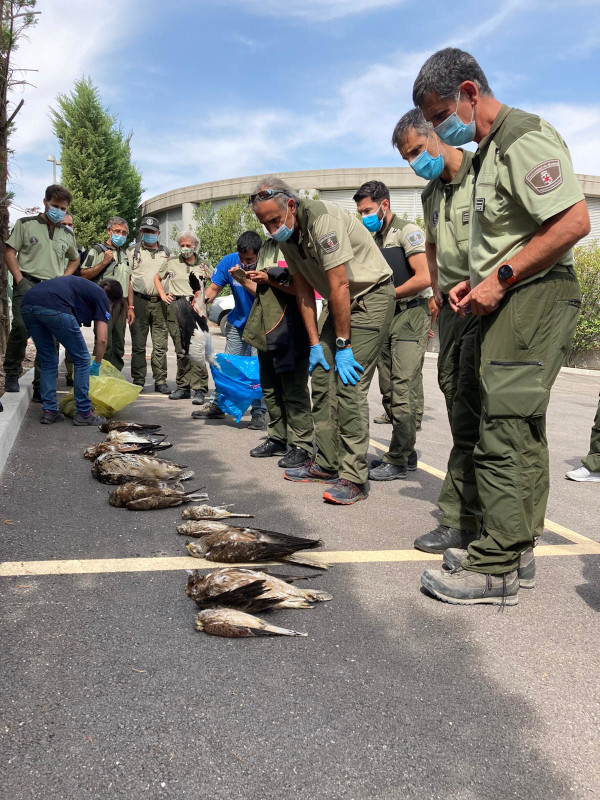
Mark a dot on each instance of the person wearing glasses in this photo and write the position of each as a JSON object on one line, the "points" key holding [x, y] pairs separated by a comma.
{"points": [[329, 251]]}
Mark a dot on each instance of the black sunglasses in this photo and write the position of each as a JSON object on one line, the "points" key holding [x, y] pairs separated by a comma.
{"points": [[266, 194]]}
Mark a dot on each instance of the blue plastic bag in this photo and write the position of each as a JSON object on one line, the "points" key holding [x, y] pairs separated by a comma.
{"points": [[237, 382]]}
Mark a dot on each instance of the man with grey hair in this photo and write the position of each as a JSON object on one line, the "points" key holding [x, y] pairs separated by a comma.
{"points": [[446, 200], [330, 251], [182, 276], [527, 211], [108, 259]]}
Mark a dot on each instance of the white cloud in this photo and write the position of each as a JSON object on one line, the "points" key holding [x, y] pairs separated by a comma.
{"points": [[579, 126], [317, 10]]}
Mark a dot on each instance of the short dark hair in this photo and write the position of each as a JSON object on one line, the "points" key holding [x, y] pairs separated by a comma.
{"points": [[412, 120], [249, 240], [58, 192], [443, 73], [114, 291], [376, 190]]}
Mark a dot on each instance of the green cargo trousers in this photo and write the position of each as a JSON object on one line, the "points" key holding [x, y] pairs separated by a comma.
{"points": [[189, 376], [592, 460], [384, 369], [18, 336], [287, 399], [341, 412], [523, 344], [150, 318], [408, 342], [458, 378]]}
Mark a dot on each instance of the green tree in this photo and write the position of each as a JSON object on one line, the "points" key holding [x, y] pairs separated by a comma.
{"points": [[587, 333], [219, 229], [96, 162]]}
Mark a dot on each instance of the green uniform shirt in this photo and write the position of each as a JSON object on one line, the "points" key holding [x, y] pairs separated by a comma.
{"points": [[42, 249], [329, 237], [523, 176], [179, 272], [408, 236], [446, 210], [118, 270], [144, 267]]}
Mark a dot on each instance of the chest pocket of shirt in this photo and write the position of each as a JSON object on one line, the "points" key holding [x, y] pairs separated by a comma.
{"points": [[461, 223], [489, 203]]}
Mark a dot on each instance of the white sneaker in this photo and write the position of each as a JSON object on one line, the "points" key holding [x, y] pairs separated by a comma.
{"points": [[583, 474]]}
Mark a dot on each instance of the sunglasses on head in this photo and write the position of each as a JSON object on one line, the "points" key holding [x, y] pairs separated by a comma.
{"points": [[265, 194]]}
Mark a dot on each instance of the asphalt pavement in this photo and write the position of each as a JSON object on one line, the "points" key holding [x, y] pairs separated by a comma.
{"points": [[109, 691]]}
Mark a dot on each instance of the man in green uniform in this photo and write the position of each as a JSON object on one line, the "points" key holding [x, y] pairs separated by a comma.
{"points": [[446, 201], [36, 251], [328, 250], [108, 259], [172, 282], [527, 211], [146, 259], [275, 328], [403, 244], [590, 469]]}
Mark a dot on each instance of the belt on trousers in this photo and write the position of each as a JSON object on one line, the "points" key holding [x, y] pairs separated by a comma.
{"points": [[150, 298], [31, 278], [418, 301]]}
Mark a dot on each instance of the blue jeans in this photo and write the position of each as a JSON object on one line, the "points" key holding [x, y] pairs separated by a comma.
{"points": [[44, 325], [236, 346]]}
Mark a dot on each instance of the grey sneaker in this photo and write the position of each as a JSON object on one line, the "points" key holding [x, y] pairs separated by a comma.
{"points": [[583, 474], [383, 419], [454, 555], [198, 398], [209, 410], [465, 587], [257, 422], [50, 417], [91, 419]]}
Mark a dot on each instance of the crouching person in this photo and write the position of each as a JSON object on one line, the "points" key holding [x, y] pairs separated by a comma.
{"points": [[55, 309], [276, 330]]}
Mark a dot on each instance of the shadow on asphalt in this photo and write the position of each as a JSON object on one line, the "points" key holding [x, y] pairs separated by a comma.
{"points": [[590, 591]]}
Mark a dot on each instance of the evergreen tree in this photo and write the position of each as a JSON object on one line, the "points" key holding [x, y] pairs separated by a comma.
{"points": [[96, 163], [219, 229]]}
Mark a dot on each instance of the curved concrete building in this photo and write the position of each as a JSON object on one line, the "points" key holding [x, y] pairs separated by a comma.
{"points": [[176, 207]]}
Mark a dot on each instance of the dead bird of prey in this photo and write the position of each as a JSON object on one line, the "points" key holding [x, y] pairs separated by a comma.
{"points": [[250, 590], [115, 447], [139, 496], [121, 425], [193, 326], [239, 545], [131, 437], [198, 527], [125, 467], [210, 512], [237, 624]]}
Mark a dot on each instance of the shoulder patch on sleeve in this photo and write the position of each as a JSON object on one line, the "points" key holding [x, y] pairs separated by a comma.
{"points": [[415, 238], [545, 177], [329, 243]]}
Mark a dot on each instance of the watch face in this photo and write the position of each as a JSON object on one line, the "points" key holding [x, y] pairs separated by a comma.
{"points": [[505, 271]]}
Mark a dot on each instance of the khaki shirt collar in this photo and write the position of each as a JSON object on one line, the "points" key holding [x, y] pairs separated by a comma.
{"points": [[465, 166], [500, 117]]}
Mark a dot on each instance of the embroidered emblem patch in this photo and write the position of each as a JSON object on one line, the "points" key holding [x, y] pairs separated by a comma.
{"points": [[435, 218], [415, 238], [545, 177], [329, 243], [480, 204], [465, 217], [34, 240]]}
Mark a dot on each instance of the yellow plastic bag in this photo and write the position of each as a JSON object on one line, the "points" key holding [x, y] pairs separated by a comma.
{"points": [[109, 392]]}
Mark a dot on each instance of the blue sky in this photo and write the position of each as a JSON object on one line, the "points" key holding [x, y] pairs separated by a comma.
{"points": [[240, 87]]}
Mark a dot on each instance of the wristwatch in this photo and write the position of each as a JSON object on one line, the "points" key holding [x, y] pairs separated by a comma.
{"points": [[340, 342], [506, 273]]}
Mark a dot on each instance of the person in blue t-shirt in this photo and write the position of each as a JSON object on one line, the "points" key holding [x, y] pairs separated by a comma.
{"points": [[54, 310], [246, 258]]}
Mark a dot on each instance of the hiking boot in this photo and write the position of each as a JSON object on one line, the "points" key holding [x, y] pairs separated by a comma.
{"points": [[198, 398], [453, 557], [270, 447], [36, 397], [257, 422], [410, 466], [442, 538], [69, 381], [11, 384], [310, 472], [465, 587], [383, 419], [162, 388], [180, 393], [345, 492], [209, 410], [50, 417], [387, 472], [581, 474], [295, 457], [90, 419]]}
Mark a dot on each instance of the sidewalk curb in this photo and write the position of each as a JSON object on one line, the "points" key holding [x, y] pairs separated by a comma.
{"points": [[15, 408]]}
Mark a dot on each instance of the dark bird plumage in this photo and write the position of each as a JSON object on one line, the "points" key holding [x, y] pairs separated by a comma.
{"points": [[125, 467], [138, 496], [121, 425], [237, 624]]}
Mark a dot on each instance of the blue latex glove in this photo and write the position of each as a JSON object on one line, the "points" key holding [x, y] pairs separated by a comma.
{"points": [[346, 366], [94, 368], [316, 357]]}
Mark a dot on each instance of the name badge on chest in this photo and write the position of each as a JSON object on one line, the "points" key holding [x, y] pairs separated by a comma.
{"points": [[480, 204]]}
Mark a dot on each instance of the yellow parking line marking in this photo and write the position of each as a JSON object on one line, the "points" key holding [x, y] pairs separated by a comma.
{"points": [[91, 566], [572, 536]]}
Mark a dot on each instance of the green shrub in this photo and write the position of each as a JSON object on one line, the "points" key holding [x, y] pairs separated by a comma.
{"points": [[587, 267]]}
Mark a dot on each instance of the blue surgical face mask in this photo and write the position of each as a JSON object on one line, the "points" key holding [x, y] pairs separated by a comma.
{"points": [[372, 222], [283, 233], [118, 239], [55, 215], [427, 166], [454, 131], [150, 238]]}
